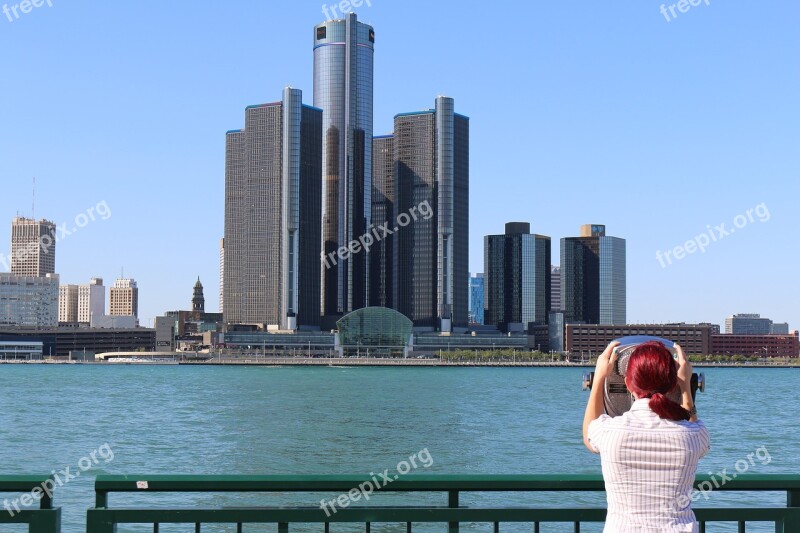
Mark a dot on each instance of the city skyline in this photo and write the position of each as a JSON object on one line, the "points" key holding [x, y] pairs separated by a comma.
{"points": [[612, 151]]}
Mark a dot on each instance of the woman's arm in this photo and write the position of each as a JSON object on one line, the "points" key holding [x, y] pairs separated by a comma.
{"points": [[595, 406], [685, 371]]}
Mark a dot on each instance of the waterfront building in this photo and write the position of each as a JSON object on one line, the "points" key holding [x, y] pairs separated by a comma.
{"points": [[591, 339], [20, 351], [343, 89], [29, 300], [476, 299], [33, 247], [60, 342], [555, 288], [190, 325], [68, 304], [748, 324], [593, 277], [431, 224], [124, 298], [273, 177], [518, 278], [91, 300], [756, 345]]}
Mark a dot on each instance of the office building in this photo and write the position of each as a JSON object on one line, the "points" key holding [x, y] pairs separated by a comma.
{"points": [[748, 324], [382, 253], [756, 345], [68, 304], [589, 340], [273, 177], [593, 277], [779, 328], [555, 288], [476, 299], [222, 276], [124, 298], [33, 247], [431, 180], [343, 89], [91, 300], [61, 342], [29, 300], [518, 277]]}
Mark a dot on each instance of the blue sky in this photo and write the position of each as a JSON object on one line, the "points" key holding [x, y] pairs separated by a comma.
{"points": [[581, 112]]}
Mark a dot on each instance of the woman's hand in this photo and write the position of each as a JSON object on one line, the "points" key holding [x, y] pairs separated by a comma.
{"points": [[685, 370], [606, 362]]}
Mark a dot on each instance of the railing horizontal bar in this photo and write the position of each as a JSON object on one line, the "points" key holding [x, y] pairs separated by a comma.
{"points": [[26, 516], [411, 483], [399, 515]]}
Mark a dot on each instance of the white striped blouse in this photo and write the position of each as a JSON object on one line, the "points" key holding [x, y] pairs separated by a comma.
{"points": [[649, 466]]}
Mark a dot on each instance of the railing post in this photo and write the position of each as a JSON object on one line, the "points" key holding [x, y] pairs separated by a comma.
{"points": [[96, 521], [45, 521], [452, 503], [791, 522]]}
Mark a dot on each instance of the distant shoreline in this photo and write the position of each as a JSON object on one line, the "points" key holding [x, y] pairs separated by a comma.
{"points": [[373, 362]]}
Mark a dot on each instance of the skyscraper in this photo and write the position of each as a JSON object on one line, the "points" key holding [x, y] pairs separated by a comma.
{"points": [[33, 247], [273, 175], [555, 286], [124, 298], [384, 198], [431, 185], [222, 276], [593, 277], [517, 277], [343, 86], [476, 295]]}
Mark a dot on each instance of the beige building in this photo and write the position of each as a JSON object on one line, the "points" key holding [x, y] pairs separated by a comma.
{"points": [[33, 247], [124, 298], [91, 300], [68, 303]]}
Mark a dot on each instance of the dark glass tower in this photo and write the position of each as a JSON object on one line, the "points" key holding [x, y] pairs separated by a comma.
{"points": [[383, 211], [430, 282], [517, 277], [273, 175], [593, 277], [343, 86]]}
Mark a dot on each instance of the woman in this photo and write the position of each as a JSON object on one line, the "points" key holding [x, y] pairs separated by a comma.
{"points": [[649, 454]]}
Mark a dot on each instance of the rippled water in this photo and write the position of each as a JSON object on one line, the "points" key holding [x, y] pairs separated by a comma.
{"points": [[259, 420]]}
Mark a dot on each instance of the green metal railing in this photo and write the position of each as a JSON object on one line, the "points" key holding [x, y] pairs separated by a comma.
{"points": [[45, 519], [104, 519]]}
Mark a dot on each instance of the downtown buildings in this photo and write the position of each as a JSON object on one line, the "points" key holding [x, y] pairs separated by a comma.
{"points": [[308, 187]]}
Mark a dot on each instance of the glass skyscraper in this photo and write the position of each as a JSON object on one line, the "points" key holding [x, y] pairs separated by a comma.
{"points": [[476, 288], [429, 178], [517, 277], [273, 175], [343, 87], [593, 277]]}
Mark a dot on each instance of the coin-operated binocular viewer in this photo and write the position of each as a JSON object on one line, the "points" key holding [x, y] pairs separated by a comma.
{"points": [[616, 397]]}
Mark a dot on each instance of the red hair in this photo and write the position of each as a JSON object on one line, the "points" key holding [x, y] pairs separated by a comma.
{"points": [[652, 373]]}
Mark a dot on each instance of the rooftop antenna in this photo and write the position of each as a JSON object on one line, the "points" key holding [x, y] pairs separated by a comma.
{"points": [[33, 201]]}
